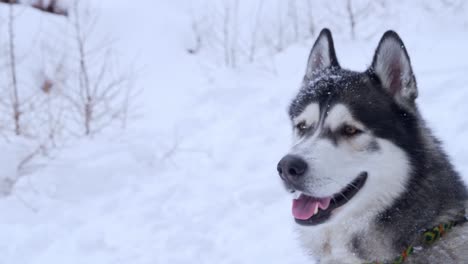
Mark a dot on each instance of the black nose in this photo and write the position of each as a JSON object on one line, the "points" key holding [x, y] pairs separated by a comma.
{"points": [[291, 167]]}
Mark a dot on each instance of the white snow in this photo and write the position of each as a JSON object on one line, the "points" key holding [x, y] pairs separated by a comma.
{"points": [[193, 178]]}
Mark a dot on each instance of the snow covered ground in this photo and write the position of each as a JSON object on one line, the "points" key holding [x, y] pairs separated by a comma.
{"points": [[193, 179]]}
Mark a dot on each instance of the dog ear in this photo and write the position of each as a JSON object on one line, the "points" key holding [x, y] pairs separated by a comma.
{"points": [[322, 55], [392, 66]]}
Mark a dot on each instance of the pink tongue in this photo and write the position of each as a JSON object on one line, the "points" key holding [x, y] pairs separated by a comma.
{"points": [[304, 207]]}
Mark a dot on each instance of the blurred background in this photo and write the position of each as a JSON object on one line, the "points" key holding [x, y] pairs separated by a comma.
{"points": [[149, 131]]}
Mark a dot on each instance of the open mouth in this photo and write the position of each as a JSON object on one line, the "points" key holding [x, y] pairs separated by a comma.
{"points": [[308, 210]]}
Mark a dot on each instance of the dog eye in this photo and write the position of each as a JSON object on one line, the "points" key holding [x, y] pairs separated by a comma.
{"points": [[302, 127], [350, 131]]}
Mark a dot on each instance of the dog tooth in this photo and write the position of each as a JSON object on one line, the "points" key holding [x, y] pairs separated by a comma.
{"points": [[296, 194], [316, 210]]}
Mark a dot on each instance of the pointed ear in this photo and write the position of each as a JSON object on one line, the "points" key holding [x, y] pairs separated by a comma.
{"points": [[322, 55], [392, 66]]}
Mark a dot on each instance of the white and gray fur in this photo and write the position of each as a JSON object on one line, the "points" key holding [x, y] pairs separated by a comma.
{"points": [[411, 183]]}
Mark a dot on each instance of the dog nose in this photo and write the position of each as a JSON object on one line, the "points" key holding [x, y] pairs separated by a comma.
{"points": [[291, 166]]}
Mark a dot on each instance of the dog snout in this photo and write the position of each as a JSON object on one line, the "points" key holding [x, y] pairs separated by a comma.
{"points": [[291, 167]]}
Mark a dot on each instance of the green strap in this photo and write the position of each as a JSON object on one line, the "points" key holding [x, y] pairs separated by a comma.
{"points": [[429, 236]]}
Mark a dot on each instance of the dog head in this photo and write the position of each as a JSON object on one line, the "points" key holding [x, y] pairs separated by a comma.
{"points": [[352, 133]]}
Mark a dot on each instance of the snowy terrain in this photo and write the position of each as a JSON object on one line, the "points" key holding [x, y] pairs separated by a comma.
{"points": [[193, 178]]}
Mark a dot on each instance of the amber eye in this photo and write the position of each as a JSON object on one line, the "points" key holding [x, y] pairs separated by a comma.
{"points": [[350, 130], [302, 127]]}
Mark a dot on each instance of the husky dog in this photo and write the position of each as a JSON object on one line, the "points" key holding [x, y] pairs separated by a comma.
{"points": [[372, 184]]}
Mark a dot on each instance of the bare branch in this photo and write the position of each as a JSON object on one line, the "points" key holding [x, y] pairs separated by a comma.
{"points": [[52, 7], [16, 105]]}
